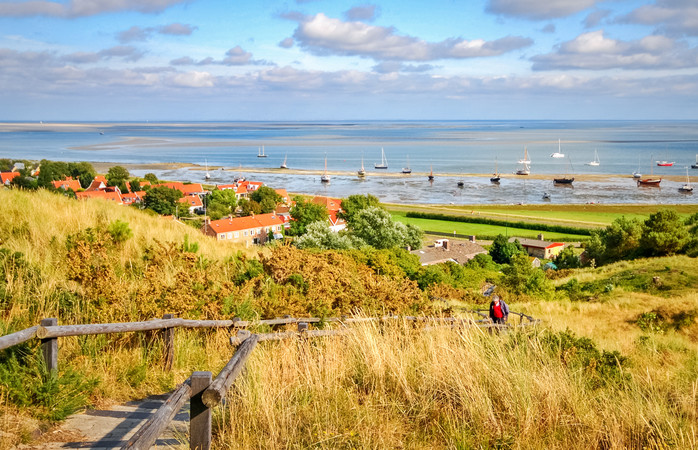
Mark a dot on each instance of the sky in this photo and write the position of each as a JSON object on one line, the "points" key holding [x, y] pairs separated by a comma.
{"points": [[199, 60]]}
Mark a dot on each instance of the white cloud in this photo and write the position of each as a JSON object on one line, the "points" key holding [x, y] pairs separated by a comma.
{"points": [[323, 35], [236, 56], [364, 12], [194, 80], [142, 34], [82, 8], [672, 17], [594, 51], [538, 9]]}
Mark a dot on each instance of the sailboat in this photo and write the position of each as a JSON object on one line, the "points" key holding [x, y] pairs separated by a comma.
{"points": [[325, 178], [362, 171], [557, 154], [495, 176], [596, 161], [384, 162], [686, 187], [207, 175], [567, 179], [283, 164], [431, 173], [260, 152], [525, 170], [407, 170], [695, 166], [651, 181]]}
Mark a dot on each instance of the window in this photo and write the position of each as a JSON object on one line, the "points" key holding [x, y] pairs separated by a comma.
{"points": [[230, 235], [244, 233], [237, 234], [222, 236]]}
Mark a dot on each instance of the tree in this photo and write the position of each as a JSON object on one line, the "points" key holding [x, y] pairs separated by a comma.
{"points": [[151, 177], [249, 207], [355, 203], [318, 235], [376, 227], [221, 203], [82, 171], [117, 176], [567, 259], [267, 198], [303, 214], [162, 200], [520, 277], [135, 185], [663, 233], [502, 250]]}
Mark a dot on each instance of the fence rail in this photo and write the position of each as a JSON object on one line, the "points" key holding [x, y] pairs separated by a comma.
{"points": [[200, 390]]}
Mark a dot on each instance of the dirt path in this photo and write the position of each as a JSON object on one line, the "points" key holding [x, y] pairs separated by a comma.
{"points": [[111, 428]]}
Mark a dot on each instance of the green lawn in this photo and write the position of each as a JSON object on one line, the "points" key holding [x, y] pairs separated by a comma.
{"points": [[593, 216], [444, 226]]}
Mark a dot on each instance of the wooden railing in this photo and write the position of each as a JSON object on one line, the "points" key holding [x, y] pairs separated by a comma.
{"points": [[203, 392]]}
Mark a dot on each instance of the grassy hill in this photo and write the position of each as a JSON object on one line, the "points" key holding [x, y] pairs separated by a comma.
{"points": [[613, 364]]}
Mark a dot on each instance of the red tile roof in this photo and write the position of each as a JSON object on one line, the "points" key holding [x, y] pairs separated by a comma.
{"points": [[192, 200], [186, 189], [7, 177], [107, 195], [332, 204], [245, 223], [66, 184]]}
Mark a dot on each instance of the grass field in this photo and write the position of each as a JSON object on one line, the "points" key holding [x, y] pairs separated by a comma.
{"points": [[596, 215], [476, 229]]}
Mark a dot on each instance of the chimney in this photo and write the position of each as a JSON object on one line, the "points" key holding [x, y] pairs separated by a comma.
{"points": [[472, 239], [540, 237], [447, 245]]}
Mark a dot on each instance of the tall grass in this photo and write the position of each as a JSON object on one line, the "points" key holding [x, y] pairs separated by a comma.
{"points": [[399, 388]]}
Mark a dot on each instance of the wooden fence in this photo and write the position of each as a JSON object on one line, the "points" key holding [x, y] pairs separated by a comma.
{"points": [[200, 389]]}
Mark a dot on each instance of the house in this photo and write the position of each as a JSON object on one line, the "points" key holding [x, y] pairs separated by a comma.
{"points": [[539, 247], [185, 188], [99, 182], [444, 250], [109, 193], [256, 229], [66, 184], [194, 203], [7, 177], [285, 199], [240, 191], [334, 206], [132, 197]]}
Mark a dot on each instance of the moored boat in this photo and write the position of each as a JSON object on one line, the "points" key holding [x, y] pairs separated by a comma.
{"points": [[407, 169], [686, 188], [431, 173], [495, 176], [384, 162], [361, 173], [650, 181], [557, 154], [695, 166], [325, 178], [596, 161], [260, 152], [283, 164]]}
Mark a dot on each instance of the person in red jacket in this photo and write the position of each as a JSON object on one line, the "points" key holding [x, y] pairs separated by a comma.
{"points": [[499, 311]]}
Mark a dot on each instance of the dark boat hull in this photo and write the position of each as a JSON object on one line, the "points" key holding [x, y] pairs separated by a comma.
{"points": [[563, 180]]}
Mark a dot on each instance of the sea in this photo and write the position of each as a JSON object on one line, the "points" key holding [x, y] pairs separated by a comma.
{"points": [[456, 151]]}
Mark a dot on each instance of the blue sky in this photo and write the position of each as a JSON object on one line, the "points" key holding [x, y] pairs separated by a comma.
{"points": [[334, 60]]}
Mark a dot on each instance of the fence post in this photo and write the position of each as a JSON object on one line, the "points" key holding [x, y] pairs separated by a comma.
{"points": [[168, 337], [302, 327], [49, 347], [199, 413]]}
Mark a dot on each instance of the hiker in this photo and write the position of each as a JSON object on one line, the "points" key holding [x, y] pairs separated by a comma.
{"points": [[499, 311]]}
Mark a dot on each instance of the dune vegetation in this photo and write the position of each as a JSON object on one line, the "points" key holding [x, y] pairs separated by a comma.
{"points": [[612, 365]]}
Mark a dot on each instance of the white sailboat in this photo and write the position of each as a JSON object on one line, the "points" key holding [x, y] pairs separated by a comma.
{"points": [[384, 162], [207, 175], [260, 152], [686, 187], [596, 161], [637, 173], [526, 169], [407, 169], [325, 178], [557, 154], [695, 166], [362, 171], [283, 164]]}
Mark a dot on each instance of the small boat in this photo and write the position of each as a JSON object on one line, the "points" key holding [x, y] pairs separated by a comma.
{"points": [[557, 154], [207, 175], [695, 166], [407, 170], [384, 162], [666, 162], [362, 172], [546, 196], [431, 173], [525, 159], [596, 161], [651, 181], [523, 171], [283, 164], [567, 179], [495, 176], [325, 178], [637, 173], [260, 152], [686, 188], [460, 183]]}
